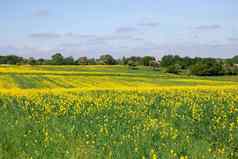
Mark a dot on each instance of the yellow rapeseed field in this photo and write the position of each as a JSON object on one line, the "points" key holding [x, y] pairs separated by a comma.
{"points": [[112, 119]]}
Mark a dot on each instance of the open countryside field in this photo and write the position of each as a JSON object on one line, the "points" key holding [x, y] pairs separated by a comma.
{"points": [[99, 76], [114, 112]]}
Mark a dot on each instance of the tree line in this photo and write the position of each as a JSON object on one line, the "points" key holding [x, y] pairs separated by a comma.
{"points": [[200, 66], [59, 59], [169, 63]]}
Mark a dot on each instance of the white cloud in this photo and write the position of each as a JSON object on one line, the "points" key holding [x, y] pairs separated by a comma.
{"points": [[208, 27], [45, 35], [41, 13]]}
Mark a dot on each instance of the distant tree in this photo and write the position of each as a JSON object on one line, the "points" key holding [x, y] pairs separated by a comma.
{"points": [[147, 60], [82, 60], [107, 59], [31, 61], [176, 68], [228, 61], [155, 64], [42, 61], [69, 61], [230, 69], [185, 62], [123, 60], [57, 59], [132, 64], [136, 59], [11, 59], [170, 60], [92, 61], [208, 67], [234, 59]]}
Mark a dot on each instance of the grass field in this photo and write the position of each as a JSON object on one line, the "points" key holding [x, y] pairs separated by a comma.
{"points": [[115, 112]]}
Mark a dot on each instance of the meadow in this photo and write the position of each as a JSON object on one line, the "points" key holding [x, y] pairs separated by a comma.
{"points": [[114, 112]]}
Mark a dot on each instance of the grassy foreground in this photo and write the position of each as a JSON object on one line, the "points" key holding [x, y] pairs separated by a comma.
{"points": [[138, 114]]}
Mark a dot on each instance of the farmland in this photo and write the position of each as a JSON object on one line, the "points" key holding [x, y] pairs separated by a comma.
{"points": [[42, 77], [115, 112]]}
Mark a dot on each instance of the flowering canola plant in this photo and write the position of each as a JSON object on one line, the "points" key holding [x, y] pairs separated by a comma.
{"points": [[121, 122], [112, 112]]}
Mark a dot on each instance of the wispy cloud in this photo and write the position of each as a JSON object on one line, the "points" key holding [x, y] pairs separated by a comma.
{"points": [[149, 24], [45, 35], [208, 27], [25, 50], [76, 35], [114, 37], [126, 29], [138, 39], [98, 38], [85, 49], [41, 13], [89, 38], [70, 45], [233, 39]]}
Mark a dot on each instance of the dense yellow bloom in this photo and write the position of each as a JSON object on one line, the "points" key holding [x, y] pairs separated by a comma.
{"points": [[184, 157], [109, 115]]}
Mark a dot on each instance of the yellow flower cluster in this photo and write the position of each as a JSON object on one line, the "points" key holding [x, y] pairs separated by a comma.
{"points": [[92, 112], [163, 122]]}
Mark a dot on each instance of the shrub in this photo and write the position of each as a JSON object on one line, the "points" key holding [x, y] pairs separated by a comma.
{"points": [[155, 65], [176, 68], [231, 70], [132, 64], [207, 67]]}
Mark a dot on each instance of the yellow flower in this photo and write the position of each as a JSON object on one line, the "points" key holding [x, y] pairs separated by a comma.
{"points": [[183, 157]]}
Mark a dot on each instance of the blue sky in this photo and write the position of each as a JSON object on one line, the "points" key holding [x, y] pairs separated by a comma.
{"points": [[119, 27]]}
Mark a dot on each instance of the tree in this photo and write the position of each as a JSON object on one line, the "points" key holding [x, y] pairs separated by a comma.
{"points": [[136, 59], [184, 62], [92, 61], [132, 64], [123, 60], [107, 59], [69, 61], [42, 61], [155, 64], [234, 59], [208, 67], [31, 61], [57, 59], [147, 60], [82, 60], [170, 60], [176, 68], [11, 59], [230, 69]]}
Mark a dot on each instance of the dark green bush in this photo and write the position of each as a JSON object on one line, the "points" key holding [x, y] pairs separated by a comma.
{"points": [[207, 67], [176, 68], [231, 70]]}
